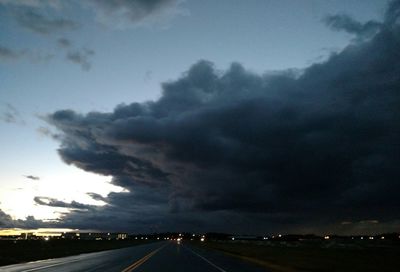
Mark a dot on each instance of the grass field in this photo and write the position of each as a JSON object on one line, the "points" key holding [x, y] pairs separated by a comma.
{"points": [[12, 252], [329, 256]]}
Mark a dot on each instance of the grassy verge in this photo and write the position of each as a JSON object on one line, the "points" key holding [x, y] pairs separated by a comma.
{"points": [[12, 252], [315, 256]]}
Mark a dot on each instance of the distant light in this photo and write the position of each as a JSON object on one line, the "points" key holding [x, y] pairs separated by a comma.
{"points": [[193, 234], [46, 238], [158, 238], [362, 238], [279, 235], [108, 233], [146, 238], [202, 239], [371, 238], [326, 237], [136, 238], [383, 237], [233, 238]]}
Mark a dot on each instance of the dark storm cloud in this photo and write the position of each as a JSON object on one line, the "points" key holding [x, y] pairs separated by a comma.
{"points": [[34, 21], [136, 10], [122, 212], [223, 147], [52, 202], [392, 14], [6, 221], [348, 24], [81, 57], [97, 197], [32, 177]]}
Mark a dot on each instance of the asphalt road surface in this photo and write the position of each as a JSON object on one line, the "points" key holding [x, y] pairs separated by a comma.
{"points": [[155, 257]]}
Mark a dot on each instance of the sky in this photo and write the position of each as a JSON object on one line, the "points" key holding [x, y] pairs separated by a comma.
{"points": [[255, 116]]}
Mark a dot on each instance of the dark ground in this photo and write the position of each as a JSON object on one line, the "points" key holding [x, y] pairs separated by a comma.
{"points": [[326, 256], [12, 252]]}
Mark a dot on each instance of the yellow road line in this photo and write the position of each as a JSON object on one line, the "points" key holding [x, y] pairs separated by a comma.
{"points": [[142, 260]]}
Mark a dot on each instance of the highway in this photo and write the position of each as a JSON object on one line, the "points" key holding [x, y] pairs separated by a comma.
{"points": [[160, 256]]}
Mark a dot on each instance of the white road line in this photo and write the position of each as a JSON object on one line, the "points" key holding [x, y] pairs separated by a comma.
{"points": [[51, 265], [209, 262]]}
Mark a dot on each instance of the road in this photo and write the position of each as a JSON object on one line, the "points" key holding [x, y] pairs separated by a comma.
{"points": [[154, 257]]}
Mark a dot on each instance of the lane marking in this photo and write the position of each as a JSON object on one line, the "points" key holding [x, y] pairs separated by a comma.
{"points": [[51, 265], [206, 260], [142, 260]]}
